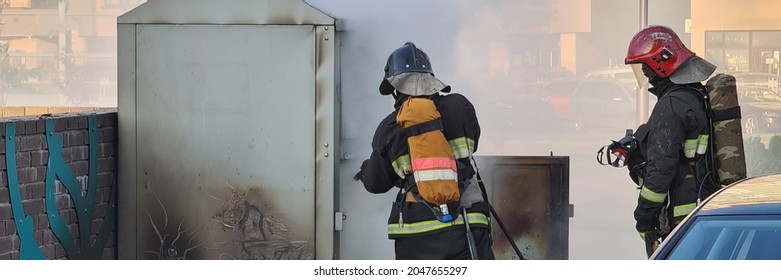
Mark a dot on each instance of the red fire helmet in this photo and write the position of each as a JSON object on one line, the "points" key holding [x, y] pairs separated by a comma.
{"points": [[659, 48]]}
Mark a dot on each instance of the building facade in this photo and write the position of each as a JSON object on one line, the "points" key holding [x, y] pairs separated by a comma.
{"points": [[738, 36], [68, 47]]}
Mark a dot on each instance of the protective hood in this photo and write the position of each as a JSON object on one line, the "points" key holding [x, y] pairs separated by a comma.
{"points": [[694, 70], [414, 84]]}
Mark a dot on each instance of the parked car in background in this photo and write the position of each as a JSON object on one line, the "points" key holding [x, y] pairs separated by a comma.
{"points": [[593, 102], [760, 109], [621, 73], [739, 222], [602, 103], [558, 94], [519, 114], [512, 111]]}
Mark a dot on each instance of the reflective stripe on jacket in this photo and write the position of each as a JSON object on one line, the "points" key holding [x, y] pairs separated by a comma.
{"points": [[409, 229]]}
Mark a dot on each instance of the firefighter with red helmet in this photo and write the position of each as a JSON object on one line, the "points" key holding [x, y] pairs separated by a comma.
{"points": [[417, 232], [676, 144]]}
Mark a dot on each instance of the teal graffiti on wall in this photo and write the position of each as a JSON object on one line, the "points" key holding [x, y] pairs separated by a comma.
{"points": [[28, 250], [84, 206]]}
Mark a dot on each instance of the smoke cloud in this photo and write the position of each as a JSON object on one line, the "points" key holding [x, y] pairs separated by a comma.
{"points": [[496, 53]]}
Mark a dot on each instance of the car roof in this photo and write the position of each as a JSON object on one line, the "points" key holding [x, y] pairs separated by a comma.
{"points": [[609, 70], [744, 89], [751, 196], [742, 74], [590, 82]]}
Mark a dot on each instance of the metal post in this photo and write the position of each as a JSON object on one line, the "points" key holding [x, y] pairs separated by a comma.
{"points": [[642, 93]]}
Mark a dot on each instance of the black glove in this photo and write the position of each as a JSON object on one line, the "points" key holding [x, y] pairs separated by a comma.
{"points": [[652, 241], [359, 176]]}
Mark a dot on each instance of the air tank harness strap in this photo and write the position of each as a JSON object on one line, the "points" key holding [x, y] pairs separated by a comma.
{"points": [[421, 128], [728, 114]]}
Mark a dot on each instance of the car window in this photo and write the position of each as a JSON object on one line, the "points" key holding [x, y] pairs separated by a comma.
{"points": [[591, 90], [770, 96], [731, 238], [559, 87], [761, 95], [615, 93]]}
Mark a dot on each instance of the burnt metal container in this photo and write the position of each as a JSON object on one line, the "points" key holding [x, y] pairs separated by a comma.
{"points": [[530, 196]]}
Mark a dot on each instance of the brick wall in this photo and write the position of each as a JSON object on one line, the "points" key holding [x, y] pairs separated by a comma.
{"points": [[58, 186]]}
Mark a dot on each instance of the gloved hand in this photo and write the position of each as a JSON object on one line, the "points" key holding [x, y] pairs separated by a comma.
{"points": [[359, 176], [652, 240]]}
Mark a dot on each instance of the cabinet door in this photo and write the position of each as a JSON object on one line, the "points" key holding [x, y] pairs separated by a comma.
{"points": [[225, 141]]}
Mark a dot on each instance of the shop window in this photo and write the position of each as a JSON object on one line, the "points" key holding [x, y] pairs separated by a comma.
{"points": [[745, 51], [44, 4], [714, 48], [765, 51], [736, 51], [120, 4], [766, 39]]}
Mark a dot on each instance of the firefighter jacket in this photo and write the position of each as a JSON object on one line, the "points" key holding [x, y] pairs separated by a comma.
{"points": [[674, 147], [389, 166]]}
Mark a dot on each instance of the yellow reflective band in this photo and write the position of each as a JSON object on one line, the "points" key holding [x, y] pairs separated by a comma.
{"points": [[702, 144], [435, 174], [427, 226], [651, 196], [690, 147], [462, 147], [402, 165], [683, 210]]}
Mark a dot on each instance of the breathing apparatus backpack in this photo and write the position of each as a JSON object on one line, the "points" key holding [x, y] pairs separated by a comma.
{"points": [[433, 163], [724, 112]]}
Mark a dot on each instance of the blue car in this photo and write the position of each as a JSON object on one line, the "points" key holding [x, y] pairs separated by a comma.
{"points": [[739, 222]]}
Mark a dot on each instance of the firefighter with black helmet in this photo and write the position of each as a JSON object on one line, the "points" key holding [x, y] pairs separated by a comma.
{"points": [[417, 232], [677, 142]]}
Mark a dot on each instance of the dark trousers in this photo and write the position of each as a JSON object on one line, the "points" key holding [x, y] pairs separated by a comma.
{"points": [[447, 245]]}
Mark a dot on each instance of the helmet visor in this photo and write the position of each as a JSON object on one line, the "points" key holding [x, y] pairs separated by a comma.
{"points": [[637, 69]]}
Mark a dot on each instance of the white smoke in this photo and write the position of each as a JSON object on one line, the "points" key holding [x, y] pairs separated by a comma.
{"points": [[458, 36]]}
